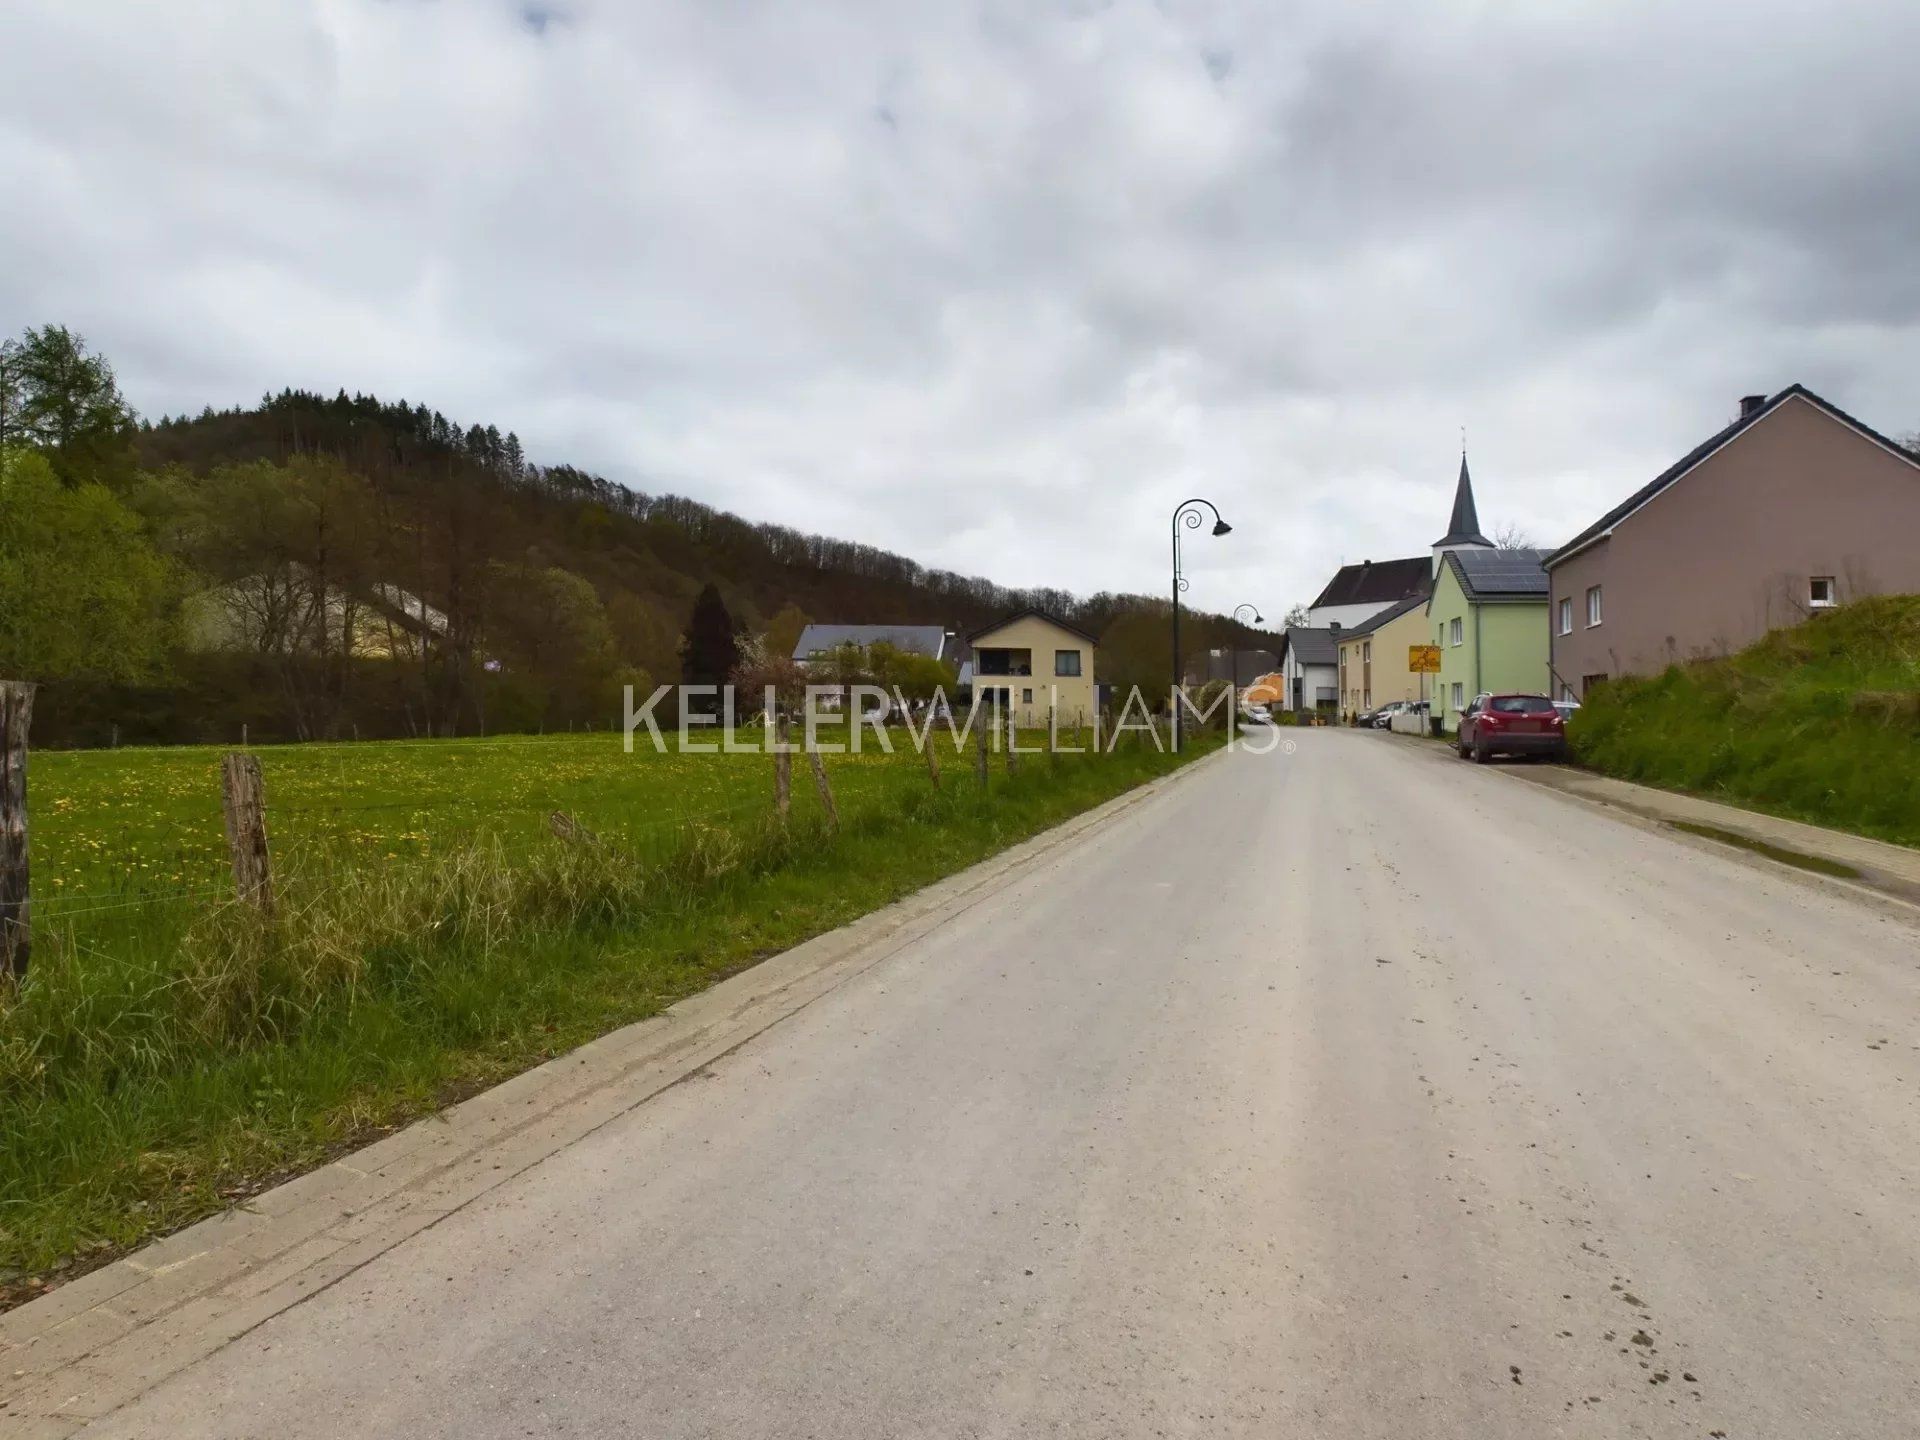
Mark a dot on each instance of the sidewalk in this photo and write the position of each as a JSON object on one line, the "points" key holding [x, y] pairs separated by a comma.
{"points": [[1876, 864]]}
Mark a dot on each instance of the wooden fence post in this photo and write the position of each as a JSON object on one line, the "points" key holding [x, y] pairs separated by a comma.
{"points": [[16, 896], [1013, 738], [782, 771], [933, 753], [983, 721], [243, 801], [826, 790]]}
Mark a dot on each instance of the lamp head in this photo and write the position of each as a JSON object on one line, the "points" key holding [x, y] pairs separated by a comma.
{"points": [[1221, 527]]}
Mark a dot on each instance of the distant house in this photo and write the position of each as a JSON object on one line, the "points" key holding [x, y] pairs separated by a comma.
{"points": [[1268, 689], [1310, 668], [1245, 665], [1034, 664], [1357, 593], [288, 612], [1792, 508], [817, 642], [1374, 656], [1488, 615]]}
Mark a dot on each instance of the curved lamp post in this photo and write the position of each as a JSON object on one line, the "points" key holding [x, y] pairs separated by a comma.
{"points": [[1188, 514], [1233, 706]]}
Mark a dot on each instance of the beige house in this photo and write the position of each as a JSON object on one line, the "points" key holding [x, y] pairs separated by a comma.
{"points": [[1374, 655], [287, 612], [1035, 664]]}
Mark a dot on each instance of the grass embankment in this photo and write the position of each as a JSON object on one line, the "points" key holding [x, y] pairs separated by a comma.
{"points": [[169, 1052], [1819, 723]]}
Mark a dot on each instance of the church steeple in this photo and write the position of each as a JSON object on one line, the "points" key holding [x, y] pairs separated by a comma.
{"points": [[1463, 530]]}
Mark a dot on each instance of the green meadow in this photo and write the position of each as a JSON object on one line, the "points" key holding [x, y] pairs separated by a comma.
{"points": [[171, 1050]]}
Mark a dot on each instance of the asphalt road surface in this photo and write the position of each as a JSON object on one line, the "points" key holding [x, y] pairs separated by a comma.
{"points": [[1353, 1092]]}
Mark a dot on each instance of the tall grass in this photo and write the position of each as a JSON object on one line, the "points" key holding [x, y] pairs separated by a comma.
{"points": [[1820, 722], [169, 1057]]}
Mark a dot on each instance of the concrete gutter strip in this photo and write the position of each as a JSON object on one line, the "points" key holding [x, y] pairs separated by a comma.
{"points": [[92, 1345]]}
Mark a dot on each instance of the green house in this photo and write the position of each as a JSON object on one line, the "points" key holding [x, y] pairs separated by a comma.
{"points": [[1489, 616]]}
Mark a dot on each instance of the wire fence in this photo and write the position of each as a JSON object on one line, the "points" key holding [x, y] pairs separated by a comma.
{"points": [[131, 832]]}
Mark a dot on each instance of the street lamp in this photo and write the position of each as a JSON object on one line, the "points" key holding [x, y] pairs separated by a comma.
{"points": [[1187, 514], [1233, 706]]}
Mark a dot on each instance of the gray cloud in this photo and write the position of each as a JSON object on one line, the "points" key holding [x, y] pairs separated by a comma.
{"points": [[989, 282]]}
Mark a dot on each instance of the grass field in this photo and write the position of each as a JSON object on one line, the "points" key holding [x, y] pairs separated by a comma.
{"points": [[1820, 722], [116, 825], [171, 1051]]}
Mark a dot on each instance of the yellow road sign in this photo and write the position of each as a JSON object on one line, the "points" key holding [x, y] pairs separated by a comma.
{"points": [[1423, 659]]}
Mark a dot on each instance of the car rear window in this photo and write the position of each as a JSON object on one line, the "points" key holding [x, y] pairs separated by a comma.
{"points": [[1521, 704]]}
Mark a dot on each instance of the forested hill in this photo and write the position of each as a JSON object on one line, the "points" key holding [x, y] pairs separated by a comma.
{"points": [[475, 485], [315, 567]]}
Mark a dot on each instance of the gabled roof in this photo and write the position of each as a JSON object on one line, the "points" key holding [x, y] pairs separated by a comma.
{"points": [[914, 639], [1037, 614], [1604, 525], [1376, 582], [1499, 574], [1392, 612], [1225, 664], [1464, 526], [1311, 645]]}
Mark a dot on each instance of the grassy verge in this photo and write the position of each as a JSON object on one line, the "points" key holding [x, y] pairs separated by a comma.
{"points": [[1820, 723], [172, 1056]]}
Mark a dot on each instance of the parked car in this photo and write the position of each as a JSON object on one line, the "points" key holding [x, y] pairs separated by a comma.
{"points": [[1519, 724], [1255, 715], [1566, 709], [1382, 718]]}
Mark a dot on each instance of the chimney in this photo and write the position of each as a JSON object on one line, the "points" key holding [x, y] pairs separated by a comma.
{"points": [[1334, 627], [1750, 405]]}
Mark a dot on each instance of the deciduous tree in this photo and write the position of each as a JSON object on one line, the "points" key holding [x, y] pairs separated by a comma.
{"points": [[82, 593]]}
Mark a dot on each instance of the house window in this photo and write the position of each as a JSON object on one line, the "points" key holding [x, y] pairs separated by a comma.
{"points": [[1566, 690], [1066, 662], [999, 661], [1459, 694], [1566, 615], [1454, 634], [1366, 650], [1591, 683], [1593, 606], [1821, 594], [1026, 697]]}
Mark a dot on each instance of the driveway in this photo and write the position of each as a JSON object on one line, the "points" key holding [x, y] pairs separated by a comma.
{"points": [[1339, 1093]]}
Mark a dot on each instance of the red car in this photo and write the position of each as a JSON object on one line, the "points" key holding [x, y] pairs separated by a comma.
{"points": [[1512, 725]]}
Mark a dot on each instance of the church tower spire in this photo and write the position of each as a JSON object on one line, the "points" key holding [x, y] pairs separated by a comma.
{"points": [[1463, 530]]}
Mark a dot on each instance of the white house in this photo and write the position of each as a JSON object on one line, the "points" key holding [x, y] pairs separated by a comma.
{"points": [[1310, 667], [1360, 592]]}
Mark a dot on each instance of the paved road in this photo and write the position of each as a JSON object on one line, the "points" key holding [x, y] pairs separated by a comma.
{"points": [[1356, 1092]]}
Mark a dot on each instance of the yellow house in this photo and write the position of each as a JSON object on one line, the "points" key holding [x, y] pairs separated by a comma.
{"points": [[1034, 664], [1374, 654]]}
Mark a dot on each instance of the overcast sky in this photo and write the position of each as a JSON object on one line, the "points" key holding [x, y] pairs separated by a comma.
{"points": [[996, 283]]}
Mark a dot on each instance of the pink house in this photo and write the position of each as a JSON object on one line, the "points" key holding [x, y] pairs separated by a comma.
{"points": [[1794, 507]]}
